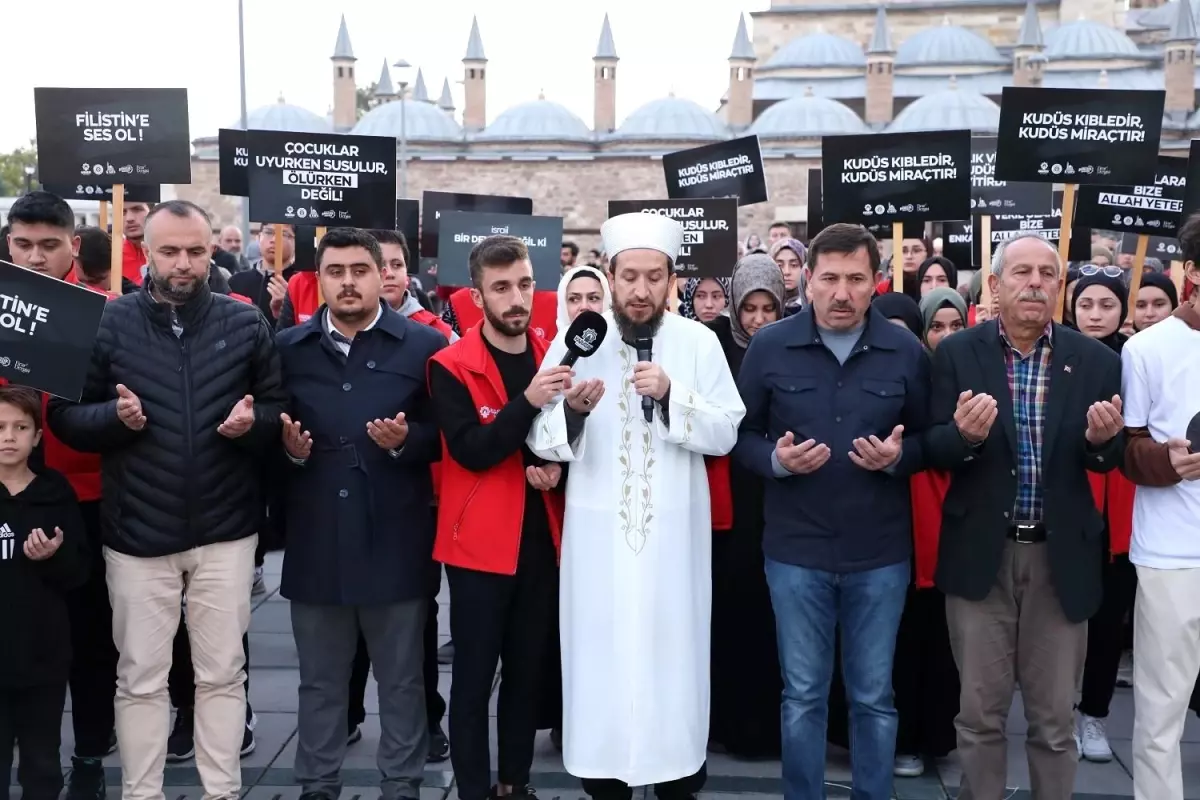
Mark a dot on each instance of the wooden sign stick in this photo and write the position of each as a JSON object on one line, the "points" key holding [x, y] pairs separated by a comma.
{"points": [[104, 215], [1176, 278], [1135, 281], [1064, 246], [279, 249], [985, 261], [897, 257], [320, 294], [117, 262]]}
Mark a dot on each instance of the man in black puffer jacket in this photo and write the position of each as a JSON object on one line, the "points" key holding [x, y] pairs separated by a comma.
{"points": [[182, 400]]}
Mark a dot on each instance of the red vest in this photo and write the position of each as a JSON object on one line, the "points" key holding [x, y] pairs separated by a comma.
{"points": [[1112, 493], [928, 490], [720, 493], [133, 258], [434, 321], [480, 514], [302, 288], [543, 320]]}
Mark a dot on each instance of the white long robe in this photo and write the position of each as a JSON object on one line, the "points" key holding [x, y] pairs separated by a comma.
{"points": [[636, 590]]}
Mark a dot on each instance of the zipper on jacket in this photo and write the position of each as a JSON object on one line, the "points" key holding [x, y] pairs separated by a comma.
{"points": [[463, 513], [189, 435]]}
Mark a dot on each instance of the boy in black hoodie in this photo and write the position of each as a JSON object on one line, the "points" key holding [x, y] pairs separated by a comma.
{"points": [[41, 558]]}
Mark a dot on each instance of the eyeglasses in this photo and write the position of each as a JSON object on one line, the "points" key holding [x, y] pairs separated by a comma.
{"points": [[1108, 272]]}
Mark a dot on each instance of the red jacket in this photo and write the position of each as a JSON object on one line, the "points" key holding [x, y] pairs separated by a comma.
{"points": [[302, 289], [720, 494], [928, 493], [133, 258], [1113, 494], [543, 321], [480, 514]]}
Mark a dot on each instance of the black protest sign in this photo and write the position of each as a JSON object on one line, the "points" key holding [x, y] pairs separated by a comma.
{"points": [[462, 230], [1191, 198], [107, 136], [1006, 227], [883, 231], [725, 169], [408, 223], [1078, 135], [991, 196], [134, 193], [957, 236], [47, 328], [1164, 248], [896, 177], [815, 221], [330, 179], [434, 204], [1152, 209], [710, 232], [233, 162]]}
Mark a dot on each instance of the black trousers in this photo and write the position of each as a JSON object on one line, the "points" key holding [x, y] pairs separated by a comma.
{"points": [[680, 789], [93, 677], [31, 716], [1106, 637], [181, 680], [503, 618]]}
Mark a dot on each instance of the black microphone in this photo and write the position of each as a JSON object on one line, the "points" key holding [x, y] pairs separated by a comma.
{"points": [[643, 342], [583, 337], [1193, 434]]}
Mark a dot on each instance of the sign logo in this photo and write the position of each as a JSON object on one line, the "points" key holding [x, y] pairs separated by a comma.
{"points": [[487, 412]]}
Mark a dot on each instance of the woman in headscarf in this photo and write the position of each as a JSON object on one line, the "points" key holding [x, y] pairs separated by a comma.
{"points": [[704, 299], [901, 309], [924, 675], [746, 682], [1157, 299], [1100, 304], [934, 272], [912, 253], [754, 244], [580, 288], [788, 255]]}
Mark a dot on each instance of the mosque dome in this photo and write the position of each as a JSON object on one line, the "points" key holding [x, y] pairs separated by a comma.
{"points": [[423, 122], [816, 51], [1086, 39], [282, 116], [949, 109], [1161, 17], [947, 45], [538, 121], [807, 117], [673, 118]]}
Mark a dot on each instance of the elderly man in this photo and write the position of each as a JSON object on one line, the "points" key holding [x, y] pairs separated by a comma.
{"points": [[1023, 409], [230, 241]]}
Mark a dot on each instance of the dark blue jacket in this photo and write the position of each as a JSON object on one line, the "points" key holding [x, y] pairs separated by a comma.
{"points": [[841, 518], [359, 523]]}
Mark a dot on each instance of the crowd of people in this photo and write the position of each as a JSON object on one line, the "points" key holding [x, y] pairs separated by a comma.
{"points": [[802, 508]]}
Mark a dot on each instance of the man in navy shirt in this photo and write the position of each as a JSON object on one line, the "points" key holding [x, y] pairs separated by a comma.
{"points": [[836, 399]]}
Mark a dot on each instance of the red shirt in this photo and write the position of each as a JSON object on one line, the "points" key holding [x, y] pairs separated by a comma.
{"points": [[133, 258], [928, 493]]}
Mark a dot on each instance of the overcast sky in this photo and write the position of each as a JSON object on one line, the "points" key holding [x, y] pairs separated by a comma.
{"points": [[531, 45]]}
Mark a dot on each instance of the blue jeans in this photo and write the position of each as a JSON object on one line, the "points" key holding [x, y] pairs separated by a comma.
{"points": [[809, 606]]}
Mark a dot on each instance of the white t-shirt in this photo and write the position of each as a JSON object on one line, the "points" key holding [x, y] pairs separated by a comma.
{"points": [[1161, 392]]}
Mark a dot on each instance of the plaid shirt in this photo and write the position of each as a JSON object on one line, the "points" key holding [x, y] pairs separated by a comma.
{"points": [[1029, 383]]}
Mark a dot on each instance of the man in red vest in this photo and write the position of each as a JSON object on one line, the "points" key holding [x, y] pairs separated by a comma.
{"points": [[462, 312], [499, 518], [133, 254], [42, 238]]}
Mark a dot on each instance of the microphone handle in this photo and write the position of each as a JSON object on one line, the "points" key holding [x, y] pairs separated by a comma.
{"points": [[569, 358], [647, 400]]}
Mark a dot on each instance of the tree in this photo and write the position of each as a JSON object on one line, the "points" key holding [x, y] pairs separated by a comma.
{"points": [[363, 99], [12, 169]]}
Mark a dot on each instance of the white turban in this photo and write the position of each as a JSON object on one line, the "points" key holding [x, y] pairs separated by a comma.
{"points": [[642, 231]]}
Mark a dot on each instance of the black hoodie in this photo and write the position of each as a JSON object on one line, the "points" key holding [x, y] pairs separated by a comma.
{"points": [[35, 634]]}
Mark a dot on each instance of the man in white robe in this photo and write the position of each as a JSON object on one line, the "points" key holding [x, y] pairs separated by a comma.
{"points": [[637, 544]]}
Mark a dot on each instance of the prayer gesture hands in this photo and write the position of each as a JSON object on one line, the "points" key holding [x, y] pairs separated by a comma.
{"points": [[975, 415], [876, 454], [583, 396], [389, 433], [1104, 421], [800, 459], [38, 546], [545, 477], [240, 419], [297, 442], [649, 379], [129, 409], [547, 385]]}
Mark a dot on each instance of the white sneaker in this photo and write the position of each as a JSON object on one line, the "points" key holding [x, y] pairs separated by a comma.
{"points": [[1094, 737], [1125, 670], [908, 766], [258, 587]]}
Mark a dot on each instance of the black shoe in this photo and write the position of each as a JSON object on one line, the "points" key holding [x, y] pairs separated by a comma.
{"points": [[445, 654], [556, 738], [355, 735], [248, 743], [521, 791], [86, 781], [315, 796], [112, 744], [439, 746], [181, 744]]}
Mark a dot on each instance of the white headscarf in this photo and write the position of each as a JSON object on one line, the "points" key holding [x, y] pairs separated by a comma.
{"points": [[563, 321]]}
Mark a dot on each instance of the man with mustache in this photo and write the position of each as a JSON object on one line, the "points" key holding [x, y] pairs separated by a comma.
{"points": [[499, 518], [637, 549], [1023, 408], [361, 437]]}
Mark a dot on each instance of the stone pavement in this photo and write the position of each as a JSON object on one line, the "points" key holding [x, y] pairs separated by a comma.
{"points": [[267, 773]]}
